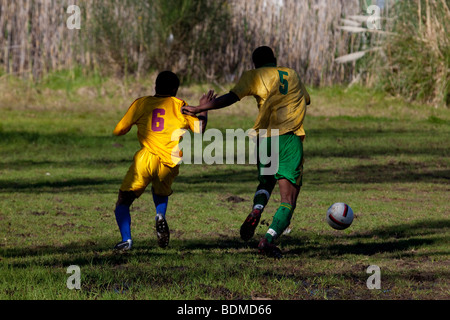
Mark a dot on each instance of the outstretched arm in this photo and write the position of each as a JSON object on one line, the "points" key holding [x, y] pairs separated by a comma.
{"points": [[214, 104], [203, 115], [126, 122]]}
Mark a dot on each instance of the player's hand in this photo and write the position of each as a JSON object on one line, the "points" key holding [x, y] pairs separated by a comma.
{"points": [[193, 111], [207, 97], [190, 111]]}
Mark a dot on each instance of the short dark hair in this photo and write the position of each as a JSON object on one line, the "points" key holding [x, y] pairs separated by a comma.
{"points": [[263, 55], [167, 83]]}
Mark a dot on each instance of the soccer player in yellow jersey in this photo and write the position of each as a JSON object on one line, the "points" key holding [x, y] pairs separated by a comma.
{"points": [[282, 99], [157, 118]]}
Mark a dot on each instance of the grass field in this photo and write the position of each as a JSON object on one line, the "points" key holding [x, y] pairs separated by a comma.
{"points": [[60, 170]]}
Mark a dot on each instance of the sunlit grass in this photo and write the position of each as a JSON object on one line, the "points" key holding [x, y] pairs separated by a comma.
{"points": [[60, 172]]}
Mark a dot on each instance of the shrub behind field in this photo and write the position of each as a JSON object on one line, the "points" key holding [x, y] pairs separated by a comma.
{"points": [[417, 54], [212, 40], [199, 39]]}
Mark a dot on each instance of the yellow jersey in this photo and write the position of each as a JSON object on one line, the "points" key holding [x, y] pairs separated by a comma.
{"points": [[160, 125], [281, 98]]}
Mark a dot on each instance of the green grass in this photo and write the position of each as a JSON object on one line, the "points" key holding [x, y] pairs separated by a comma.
{"points": [[61, 168]]}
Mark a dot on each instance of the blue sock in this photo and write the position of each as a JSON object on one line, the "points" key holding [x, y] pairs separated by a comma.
{"points": [[123, 219], [160, 204]]}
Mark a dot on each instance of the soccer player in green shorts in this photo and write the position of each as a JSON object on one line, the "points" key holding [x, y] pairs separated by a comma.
{"points": [[282, 99]]}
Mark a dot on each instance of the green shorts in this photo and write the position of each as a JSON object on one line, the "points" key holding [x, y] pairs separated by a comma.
{"points": [[290, 159]]}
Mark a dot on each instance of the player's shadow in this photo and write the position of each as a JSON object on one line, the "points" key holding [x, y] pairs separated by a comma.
{"points": [[100, 252], [64, 185], [379, 173], [362, 150], [216, 178], [400, 238]]}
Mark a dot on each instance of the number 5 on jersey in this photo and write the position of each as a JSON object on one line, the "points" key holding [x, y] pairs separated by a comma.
{"points": [[158, 120], [284, 83]]}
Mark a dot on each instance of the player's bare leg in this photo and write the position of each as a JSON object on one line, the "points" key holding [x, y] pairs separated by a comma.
{"points": [[289, 192]]}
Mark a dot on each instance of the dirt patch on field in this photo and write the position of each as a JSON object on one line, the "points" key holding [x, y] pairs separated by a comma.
{"points": [[234, 199]]}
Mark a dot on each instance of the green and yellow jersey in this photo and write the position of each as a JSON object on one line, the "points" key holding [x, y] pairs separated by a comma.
{"points": [[158, 119], [281, 96]]}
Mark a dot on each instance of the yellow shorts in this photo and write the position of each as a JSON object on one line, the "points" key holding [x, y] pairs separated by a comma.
{"points": [[148, 169]]}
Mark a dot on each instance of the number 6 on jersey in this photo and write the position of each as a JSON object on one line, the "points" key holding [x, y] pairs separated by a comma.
{"points": [[158, 120]]}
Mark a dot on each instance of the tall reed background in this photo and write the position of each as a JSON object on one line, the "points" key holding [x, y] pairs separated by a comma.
{"points": [[327, 41]]}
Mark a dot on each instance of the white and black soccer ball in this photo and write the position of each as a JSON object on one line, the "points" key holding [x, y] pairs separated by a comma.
{"points": [[340, 216]]}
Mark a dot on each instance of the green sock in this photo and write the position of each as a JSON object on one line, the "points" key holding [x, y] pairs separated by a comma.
{"points": [[281, 221], [261, 198]]}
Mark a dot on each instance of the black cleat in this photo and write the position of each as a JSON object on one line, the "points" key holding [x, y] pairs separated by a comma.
{"points": [[249, 226], [162, 231], [269, 249]]}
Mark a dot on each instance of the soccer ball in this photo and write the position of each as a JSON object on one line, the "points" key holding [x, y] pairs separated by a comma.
{"points": [[340, 216]]}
